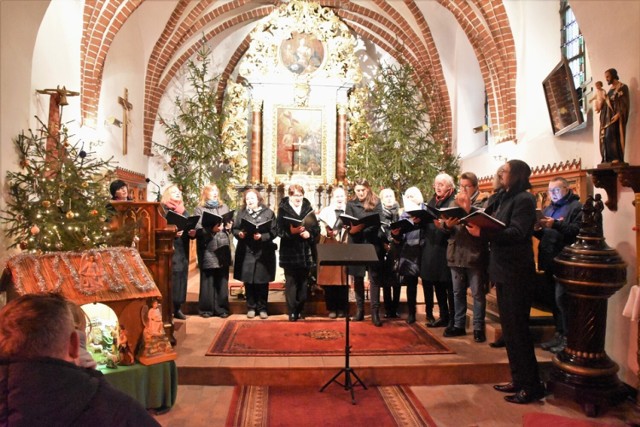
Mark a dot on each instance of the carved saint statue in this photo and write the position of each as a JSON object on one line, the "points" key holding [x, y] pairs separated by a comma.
{"points": [[613, 119]]}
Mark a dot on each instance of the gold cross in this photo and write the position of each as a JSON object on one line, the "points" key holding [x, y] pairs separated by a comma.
{"points": [[126, 107]]}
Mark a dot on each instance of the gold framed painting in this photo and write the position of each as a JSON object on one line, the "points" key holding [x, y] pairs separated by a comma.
{"points": [[299, 146]]}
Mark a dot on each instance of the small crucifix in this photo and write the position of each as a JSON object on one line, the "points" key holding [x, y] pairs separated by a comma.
{"points": [[126, 107], [293, 149]]}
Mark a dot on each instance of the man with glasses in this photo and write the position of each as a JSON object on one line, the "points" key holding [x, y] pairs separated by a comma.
{"points": [[557, 228], [467, 257]]}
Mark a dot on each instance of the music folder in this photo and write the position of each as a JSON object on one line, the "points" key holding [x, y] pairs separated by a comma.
{"points": [[210, 220], [182, 222], [252, 228], [350, 254]]}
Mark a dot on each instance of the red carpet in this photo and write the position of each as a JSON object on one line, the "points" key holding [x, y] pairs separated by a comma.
{"points": [[322, 338], [306, 406], [536, 419]]}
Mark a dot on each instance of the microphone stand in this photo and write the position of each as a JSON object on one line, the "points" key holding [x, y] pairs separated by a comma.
{"points": [[158, 195]]}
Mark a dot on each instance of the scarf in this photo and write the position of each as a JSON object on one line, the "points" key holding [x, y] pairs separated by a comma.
{"points": [[254, 213], [444, 197], [177, 206], [212, 204]]}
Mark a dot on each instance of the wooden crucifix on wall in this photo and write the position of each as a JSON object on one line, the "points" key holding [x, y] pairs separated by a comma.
{"points": [[126, 107]]}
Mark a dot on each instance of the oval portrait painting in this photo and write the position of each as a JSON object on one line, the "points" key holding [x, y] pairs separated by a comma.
{"points": [[302, 53]]}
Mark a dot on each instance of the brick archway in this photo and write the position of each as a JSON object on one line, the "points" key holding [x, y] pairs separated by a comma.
{"points": [[386, 24]]}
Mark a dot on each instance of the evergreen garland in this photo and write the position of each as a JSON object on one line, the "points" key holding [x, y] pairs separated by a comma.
{"points": [[57, 201], [394, 142]]}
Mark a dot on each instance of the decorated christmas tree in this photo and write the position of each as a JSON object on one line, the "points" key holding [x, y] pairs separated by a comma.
{"points": [[394, 141], [198, 151], [57, 199]]}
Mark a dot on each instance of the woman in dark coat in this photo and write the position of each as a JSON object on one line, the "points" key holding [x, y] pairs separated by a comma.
{"points": [[255, 261], [172, 201], [410, 253], [512, 269], [434, 270], [296, 244], [214, 256], [365, 203], [390, 285]]}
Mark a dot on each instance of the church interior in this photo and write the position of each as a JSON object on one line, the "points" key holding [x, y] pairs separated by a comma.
{"points": [[287, 70]]}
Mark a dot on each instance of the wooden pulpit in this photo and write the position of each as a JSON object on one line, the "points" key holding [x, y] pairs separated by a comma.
{"points": [[145, 227]]}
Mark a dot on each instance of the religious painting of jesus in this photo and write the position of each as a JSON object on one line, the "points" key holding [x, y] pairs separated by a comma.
{"points": [[298, 141]]}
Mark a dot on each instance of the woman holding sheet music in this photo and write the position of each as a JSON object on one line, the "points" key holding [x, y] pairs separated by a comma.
{"points": [[297, 234], [434, 271], [214, 255], [366, 203], [389, 282], [336, 296], [255, 261], [410, 253], [512, 269], [172, 201]]}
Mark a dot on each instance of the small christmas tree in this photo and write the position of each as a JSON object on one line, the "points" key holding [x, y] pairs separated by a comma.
{"points": [[57, 200], [396, 143], [197, 152]]}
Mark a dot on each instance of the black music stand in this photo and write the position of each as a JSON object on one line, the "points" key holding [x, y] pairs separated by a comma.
{"points": [[345, 255]]}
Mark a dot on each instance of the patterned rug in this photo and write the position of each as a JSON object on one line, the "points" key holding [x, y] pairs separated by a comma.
{"points": [[254, 406], [322, 338]]}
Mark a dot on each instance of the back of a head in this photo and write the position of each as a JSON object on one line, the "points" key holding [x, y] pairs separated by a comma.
{"points": [[36, 325]]}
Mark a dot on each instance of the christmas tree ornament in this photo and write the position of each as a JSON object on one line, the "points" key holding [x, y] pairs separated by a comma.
{"points": [[84, 184], [35, 230], [46, 204], [23, 245], [59, 245], [70, 215], [94, 212], [86, 240], [59, 203]]}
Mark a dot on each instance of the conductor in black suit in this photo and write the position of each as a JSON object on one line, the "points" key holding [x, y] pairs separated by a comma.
{"points": [[512, 269]]}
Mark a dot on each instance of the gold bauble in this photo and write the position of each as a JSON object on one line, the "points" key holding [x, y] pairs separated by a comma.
{"points": [[70, 215], [46, 204], [84, 184]]}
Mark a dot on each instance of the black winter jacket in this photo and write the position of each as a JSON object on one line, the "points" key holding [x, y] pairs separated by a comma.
{"points": [[51, 392], [567, 213], [511, 251], [434, 253], [295, 252], [255, 260]]}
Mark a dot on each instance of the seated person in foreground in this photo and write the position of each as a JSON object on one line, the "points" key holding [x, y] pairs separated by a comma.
{"points": [[39, 383]]}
